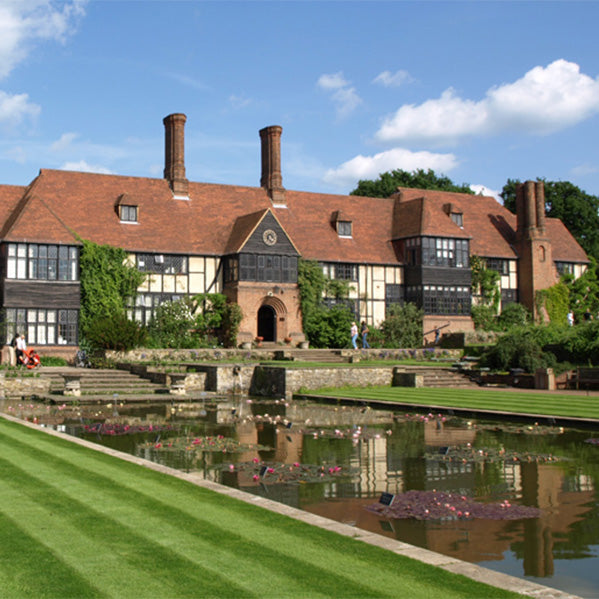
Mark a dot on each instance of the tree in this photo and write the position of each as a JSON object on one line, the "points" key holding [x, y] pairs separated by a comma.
{"points": [[578, 210], [584, 292], [388, 182]]}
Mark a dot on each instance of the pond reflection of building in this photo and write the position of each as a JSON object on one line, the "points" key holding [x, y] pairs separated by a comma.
{"points": [[439, 434], [336, 416]]}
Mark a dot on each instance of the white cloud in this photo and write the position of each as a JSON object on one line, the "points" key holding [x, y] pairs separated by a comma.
{"points": [[14, 108], [238, 102], [84, 167], [585, 169], [65, 141], [23, 23], [344, 96], [389, 79], [370, 167], [332, 81], [486, 191], [545, 100]]}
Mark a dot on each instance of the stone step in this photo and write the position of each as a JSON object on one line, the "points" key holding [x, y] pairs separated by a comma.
{"points": [[102, 384]]}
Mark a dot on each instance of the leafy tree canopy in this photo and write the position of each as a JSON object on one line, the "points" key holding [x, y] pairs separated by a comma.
{"points": [[578, 210], [388, 182]]}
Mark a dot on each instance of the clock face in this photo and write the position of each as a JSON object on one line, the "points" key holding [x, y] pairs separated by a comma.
{"points": [[269, 237]]}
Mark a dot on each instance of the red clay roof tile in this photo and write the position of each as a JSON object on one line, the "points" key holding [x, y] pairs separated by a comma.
{"points": [[216, 218]]}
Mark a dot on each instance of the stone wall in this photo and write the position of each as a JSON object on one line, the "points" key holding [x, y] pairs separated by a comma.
{"points": [[274, 381], [23, 386]]}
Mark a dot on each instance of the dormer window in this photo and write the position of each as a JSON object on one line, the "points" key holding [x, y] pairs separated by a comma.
{"points": [[342, 224], [458, 219], [126, 209], [344, 228], [456, 215], [128, 214]]}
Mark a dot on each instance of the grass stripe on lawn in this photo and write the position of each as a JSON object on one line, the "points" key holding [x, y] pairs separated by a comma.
{"points": [[29, 569], [550, 404], [126, 530], [108, 528]]}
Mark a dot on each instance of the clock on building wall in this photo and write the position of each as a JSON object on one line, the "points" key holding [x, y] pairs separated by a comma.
{"points": [[269, 237]]}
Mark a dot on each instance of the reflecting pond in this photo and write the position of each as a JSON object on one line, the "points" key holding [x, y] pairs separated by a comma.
{"points": [[336, 460]]}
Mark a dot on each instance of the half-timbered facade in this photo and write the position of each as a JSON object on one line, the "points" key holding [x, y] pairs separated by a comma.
{"points": [[246, 242]]}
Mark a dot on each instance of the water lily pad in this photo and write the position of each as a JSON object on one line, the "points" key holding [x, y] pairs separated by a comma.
{"points": [[217, 443], [436, 505], [277, 472]]}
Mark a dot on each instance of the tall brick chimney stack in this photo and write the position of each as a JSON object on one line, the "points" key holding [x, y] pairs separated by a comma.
{"points": [[535, 264], [174, 154], [271, 178]]}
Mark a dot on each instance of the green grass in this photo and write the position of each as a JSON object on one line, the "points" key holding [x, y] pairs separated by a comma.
{"points": [[550, 404], [78, 523]]}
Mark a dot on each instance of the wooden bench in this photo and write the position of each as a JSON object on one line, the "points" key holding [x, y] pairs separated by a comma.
{"points": [[585, 378]]}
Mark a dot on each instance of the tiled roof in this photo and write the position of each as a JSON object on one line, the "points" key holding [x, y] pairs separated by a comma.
{"points": [[217, 218], [563, 247], [489, 225], [9, 198], [424, 216], [244, 226]]}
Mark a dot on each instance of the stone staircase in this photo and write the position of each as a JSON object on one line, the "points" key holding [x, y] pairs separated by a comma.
{"points": [[440, 377], [101, 385], [328, 356]]}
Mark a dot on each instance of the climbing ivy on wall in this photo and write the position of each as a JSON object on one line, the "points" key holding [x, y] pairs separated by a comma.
{"points": [[108, 282], [555, 300], [323, 327]]}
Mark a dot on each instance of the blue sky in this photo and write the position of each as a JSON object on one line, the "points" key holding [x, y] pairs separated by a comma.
{"points": [[479, 91]]}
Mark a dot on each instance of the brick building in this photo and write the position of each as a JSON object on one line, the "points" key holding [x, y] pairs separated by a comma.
{"points": [[246, 242]]}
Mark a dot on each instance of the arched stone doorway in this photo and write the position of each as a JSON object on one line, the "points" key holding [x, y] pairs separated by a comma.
{"points": [[272, 319], [267, 323]]}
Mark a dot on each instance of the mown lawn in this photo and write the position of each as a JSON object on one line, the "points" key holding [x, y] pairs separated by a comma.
{"points": [[550, 404], [78, 523]]}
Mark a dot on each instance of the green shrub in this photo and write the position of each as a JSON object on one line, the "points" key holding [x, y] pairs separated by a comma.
{"points": [[329, 327], [173, 325], [402, 327], [53, 361], [117, 332], [513, 315], [483, 317], [518, 348]]}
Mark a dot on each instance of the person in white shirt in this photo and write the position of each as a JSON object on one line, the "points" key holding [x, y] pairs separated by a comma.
{"points": [[20, 349]]}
